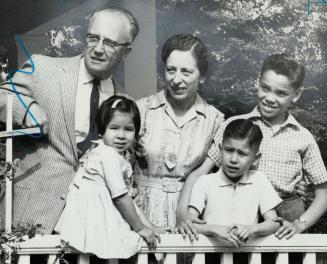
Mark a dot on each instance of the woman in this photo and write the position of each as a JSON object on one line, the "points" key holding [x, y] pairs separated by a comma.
{"points": [[178, 128]]}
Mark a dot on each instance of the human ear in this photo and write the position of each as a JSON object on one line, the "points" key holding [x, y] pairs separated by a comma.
{"points": [[256, 159], [127, 51], [298, 94]]}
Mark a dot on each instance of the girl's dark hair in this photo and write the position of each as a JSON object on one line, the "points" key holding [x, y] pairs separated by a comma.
{"points": [[285, 65], [244, 129], [186, 42], [124, 105]]}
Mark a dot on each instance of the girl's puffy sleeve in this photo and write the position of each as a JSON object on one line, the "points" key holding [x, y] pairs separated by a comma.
{"points": [[112, 163]]}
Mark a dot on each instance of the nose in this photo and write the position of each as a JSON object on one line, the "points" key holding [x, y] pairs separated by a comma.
{"points": [[270, 98], [233, 158], [121, 133], [98, 48], [177, 78]]}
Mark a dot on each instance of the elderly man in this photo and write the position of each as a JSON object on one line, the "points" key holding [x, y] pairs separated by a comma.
{"points": [[63, 95]]}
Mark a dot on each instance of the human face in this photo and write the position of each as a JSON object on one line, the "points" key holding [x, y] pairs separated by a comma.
{"points": [[182, 75], [107, 26], [237, 157], [120, 132], [275, 94]]}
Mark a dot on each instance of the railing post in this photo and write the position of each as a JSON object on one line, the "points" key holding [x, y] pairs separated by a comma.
{"points": [[282, 258], [226, 258], [254, 258], [142, 258], [309, 258], [199, 258], [9, 161]]}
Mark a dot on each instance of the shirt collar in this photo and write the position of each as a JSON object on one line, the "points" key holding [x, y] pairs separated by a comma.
{"points": [[86, 77], [290, 121], [223, 181], [160, 99]]}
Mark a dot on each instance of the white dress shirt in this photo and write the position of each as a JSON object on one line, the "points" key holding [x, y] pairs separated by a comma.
{"points": [[83, 96]]}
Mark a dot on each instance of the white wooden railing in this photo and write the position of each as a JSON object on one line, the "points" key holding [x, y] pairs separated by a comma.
{"points": [[308, 244]]}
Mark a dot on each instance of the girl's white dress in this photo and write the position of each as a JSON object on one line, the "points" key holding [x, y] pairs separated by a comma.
{"points": [[90, 222]]}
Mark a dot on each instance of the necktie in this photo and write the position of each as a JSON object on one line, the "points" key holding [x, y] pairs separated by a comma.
{"points": [[94, 105]]}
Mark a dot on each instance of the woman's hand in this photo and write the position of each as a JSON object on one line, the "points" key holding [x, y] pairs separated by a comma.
{"points": [[287, 229], [184, 224], [150, 235]]}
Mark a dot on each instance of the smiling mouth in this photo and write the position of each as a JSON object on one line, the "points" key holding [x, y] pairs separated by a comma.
{"points": [[268, 107], [95, 59]]}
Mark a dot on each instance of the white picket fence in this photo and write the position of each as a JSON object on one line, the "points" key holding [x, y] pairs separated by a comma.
{"points": [[308, 244], [171, 244]]}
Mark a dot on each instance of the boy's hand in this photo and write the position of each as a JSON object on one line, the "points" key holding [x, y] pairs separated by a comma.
{"points": [[150, 236], [303, 190], [242, 232], [184, 224], [288, 229], [224, 234]]}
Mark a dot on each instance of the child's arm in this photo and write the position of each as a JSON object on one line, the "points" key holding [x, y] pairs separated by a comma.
{"points": [[184, 219], [125, 206], [309, 217], [221, 232]]}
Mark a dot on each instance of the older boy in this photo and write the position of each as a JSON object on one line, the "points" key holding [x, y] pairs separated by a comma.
{"points": [[289, 151]]}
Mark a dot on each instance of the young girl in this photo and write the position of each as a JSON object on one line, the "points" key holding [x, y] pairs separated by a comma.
{"points": [[99, 213]]}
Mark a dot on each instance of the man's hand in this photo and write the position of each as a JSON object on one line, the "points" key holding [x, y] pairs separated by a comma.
{"points": [[40, 115], [288, 229], [184, 224]]}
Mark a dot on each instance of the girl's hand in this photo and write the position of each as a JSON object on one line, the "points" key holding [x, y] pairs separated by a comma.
{"points": [[287, 229], [225, 234], [150, 236], [165, 230]]}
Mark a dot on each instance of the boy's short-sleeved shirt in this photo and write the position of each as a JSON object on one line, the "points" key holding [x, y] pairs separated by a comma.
{"points": [[288, 154], [223, 202]]}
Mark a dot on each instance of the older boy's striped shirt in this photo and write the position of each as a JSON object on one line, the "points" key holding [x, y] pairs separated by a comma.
{"points": [[288, 154]]}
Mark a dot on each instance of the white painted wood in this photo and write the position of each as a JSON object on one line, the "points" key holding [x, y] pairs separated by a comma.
{"points": [[112, 261], [8, 218], [83, 259], [282, 258], [20, 132], [309, 258], [52, 259], [142, 258], [199, 258], [226, 258], [255, 258], [171, 258], [24, 259]]}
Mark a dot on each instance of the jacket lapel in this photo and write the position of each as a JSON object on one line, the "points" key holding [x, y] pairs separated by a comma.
{"points": [[68, 88]]}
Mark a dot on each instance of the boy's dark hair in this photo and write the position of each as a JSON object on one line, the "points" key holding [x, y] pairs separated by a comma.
{"points": [[186, 42], [285, 65], [244, 129]]}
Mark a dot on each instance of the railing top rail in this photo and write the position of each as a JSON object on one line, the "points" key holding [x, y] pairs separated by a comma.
{"points": [[172, 243]]}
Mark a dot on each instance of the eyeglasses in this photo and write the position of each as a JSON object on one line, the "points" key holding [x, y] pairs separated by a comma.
{"points": [[108, 44]]}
